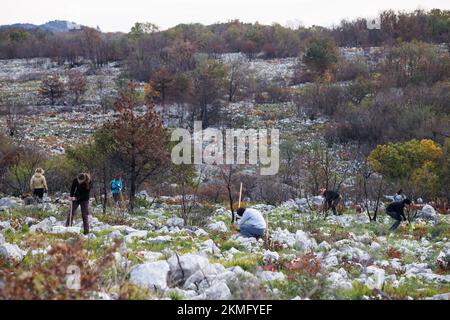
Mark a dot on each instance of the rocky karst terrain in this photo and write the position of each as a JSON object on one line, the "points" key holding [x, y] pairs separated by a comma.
{"points": [[308, 256]]}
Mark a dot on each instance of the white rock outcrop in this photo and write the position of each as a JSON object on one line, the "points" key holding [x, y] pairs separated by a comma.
{"points": [[152, 275]]}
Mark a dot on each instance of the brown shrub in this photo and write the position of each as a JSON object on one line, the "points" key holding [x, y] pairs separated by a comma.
{"points": [[307, 264], [47, 280], [393, 253]]}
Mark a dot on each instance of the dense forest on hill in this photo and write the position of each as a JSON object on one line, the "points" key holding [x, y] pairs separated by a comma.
{"points": [[273, 41]]}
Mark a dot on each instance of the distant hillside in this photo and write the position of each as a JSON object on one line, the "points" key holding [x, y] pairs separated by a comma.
{"points": [[51, 26]]}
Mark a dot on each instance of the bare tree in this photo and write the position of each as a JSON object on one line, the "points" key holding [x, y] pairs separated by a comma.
{"points": [[370, 188], [228, 173], [21, 168], [187, 186], [238, 75]]}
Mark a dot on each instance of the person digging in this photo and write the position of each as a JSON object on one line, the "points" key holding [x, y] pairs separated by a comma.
{"points": [[396, 211], [332, 199], [251, 223], [79, 197]]}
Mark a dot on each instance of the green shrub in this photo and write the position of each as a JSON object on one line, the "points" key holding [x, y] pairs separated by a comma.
{"points": [[440, 230], [140, 202], [227, 245], [358, 291], [249, 264], [304, 286], [415, 288]]}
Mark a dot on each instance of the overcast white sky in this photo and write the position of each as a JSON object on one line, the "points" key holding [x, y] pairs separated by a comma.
{"points": [[120, 15]]}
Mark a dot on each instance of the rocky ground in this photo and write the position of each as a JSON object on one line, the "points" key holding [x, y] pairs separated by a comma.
{"points": [[155, 255], [52, 128]]}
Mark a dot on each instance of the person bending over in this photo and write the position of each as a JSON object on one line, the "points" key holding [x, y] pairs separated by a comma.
{"points": [[251, 223], [396, 211], [332, 199]]}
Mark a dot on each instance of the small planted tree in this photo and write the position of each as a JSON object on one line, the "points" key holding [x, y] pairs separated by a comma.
{"points": [[228, 174], [187, 185]]}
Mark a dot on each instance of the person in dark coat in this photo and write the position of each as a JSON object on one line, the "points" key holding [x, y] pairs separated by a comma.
{"points": [[332, 199], [396, 211], [80, 195]]}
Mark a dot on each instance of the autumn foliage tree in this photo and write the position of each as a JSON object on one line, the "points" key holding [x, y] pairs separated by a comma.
{"points": [[94, 46], [413, 165], [321, 56], [416, 63], [52, 88], [76, 85], [181, 56], [161, 80], [141, 141]]}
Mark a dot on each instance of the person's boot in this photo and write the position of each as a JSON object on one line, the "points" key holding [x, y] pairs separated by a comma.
{"points": [[85, 229]]}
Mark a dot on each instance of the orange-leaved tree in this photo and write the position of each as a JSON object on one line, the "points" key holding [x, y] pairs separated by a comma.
{"points": [[141, 140]]}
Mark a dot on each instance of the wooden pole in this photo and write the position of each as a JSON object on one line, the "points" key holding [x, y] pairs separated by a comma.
{"points": [[240, 196], [70, 213]]}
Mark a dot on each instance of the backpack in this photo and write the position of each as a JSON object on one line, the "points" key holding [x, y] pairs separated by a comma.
{"points": [[114, 185]]}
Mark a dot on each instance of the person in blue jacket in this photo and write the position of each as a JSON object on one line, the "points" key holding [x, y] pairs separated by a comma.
{"points": [[116, 189]]}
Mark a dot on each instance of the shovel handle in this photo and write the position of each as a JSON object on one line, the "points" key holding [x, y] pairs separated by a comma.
{"points": [[240, 196]]}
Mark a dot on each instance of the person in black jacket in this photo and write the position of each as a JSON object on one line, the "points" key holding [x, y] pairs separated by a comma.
{"points": [[80, 195], [332, 199], [396, 211]]}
